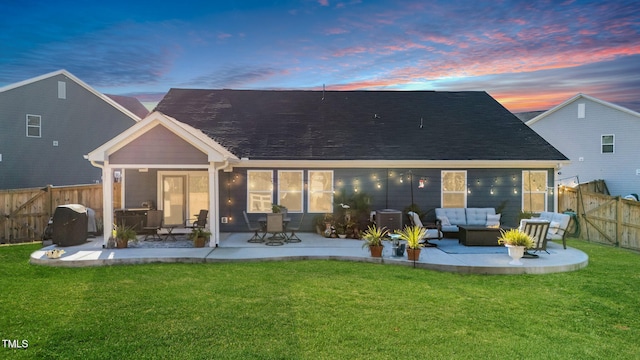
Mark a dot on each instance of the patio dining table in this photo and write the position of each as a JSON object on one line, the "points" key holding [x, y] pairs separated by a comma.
{"points": [[263, 222]]}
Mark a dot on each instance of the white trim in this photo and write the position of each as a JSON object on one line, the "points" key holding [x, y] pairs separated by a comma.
{"points": [[546, 188], [331, 192], [249, 208], [613, 144], [400, 164], [26, 119], [186, 174], [464, 191], [278, 193]]}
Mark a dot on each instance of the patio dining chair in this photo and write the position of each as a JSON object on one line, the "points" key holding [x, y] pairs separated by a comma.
{"points": [[153, 225], [201, 220], [433, 233], [256, 238], [275, 227], [537, 229], [293, 238]]}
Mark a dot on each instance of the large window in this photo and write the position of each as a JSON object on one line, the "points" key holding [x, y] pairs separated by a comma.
{"points": [[534, 191], [320, 191], [607, 143], [454, 189], [290, 185], [34, 126], [259, 191]]}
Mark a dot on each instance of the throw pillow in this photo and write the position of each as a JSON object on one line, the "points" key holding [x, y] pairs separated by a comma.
{"points": [[444, 220], [554, 226], [493, 220]]}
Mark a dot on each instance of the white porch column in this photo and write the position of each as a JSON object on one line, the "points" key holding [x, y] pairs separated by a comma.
{"points": [[107, 201], [214, 205]]}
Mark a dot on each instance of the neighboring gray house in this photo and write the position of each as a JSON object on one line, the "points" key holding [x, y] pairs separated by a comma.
{"points": [[48, 123], [601, 139], [230, 151]]}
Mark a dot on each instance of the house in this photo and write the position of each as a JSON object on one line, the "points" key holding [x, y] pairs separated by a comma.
{"points": [[600, 139], [48, 123], [231, 151]]}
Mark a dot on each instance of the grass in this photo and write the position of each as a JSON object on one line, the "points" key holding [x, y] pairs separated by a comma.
{"points": [[318, 310]]}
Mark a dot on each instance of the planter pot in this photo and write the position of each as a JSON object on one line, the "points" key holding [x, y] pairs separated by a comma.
{"points": [[516, 253], [342, 236], [376, 250], [122, 243], [199, 242], [413, 254]]}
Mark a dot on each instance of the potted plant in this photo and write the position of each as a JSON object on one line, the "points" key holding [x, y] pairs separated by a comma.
{"points": [[341, 229], [373, 239], [122, 234], [199, 236], [412, 235], [516, 242]]}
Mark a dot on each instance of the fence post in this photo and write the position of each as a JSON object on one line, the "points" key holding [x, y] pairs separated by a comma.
{"points": [[618, 220]]}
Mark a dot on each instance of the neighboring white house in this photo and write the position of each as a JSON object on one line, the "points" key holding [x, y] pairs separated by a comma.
{"points": [[601, 139]]}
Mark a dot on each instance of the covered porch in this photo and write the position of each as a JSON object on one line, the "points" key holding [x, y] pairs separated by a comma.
{"points": [[166, 165]]}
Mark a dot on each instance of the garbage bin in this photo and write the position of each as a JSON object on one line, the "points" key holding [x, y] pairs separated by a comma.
{"points": [[70, 225]]}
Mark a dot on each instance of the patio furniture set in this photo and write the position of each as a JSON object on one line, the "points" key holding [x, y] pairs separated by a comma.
{"points": [[481, 226], [155, 227], [276, 224]]}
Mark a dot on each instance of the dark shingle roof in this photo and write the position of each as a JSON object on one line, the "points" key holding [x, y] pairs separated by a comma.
{"points": [[132, 104], [363, 125]]}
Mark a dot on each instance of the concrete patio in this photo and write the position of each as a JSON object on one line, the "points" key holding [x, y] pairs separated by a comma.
{"points": [[449, 256]]}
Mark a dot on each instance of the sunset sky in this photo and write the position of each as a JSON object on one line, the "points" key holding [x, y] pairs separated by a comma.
{"points": [[529, 55]]}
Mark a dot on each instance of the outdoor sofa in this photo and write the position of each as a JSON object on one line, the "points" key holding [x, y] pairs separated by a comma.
{"points": [[449, 219]]}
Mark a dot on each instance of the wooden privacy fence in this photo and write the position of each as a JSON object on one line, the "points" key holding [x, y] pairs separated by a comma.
{"points": [[26, 212], [602, 218]]}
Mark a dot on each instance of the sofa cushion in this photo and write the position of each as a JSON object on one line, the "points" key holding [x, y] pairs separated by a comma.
{"points": [[493, 220], [478, 216], [556, 232], [554, 226], [444, 221], [456, 216]]}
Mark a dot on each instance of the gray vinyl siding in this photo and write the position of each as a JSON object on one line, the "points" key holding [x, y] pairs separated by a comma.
{"points": [[387, 191], [577, 138], [140, 187], [79, 124], [159, 146]]}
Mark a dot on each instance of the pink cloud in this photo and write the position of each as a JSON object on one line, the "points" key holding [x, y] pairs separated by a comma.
{"points": [[335, 31], [323, 2]]}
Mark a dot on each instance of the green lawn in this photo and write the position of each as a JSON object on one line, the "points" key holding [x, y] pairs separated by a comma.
{"points": [[318, 310]]}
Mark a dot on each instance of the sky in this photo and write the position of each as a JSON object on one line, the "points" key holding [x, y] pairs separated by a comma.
{"points": [[529, 55]]}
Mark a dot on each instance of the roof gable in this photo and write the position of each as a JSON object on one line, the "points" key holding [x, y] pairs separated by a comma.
{"points": [[187, 135], [576, 98], [358, 125], [79, 82]]}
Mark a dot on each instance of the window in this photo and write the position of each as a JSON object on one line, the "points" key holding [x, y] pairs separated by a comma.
{"points": [[581, 111], [534, 191], [290, 185], [454, 189], [607, 144], [320, 191], [62, 90], [34, 125], [259, 191]]}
